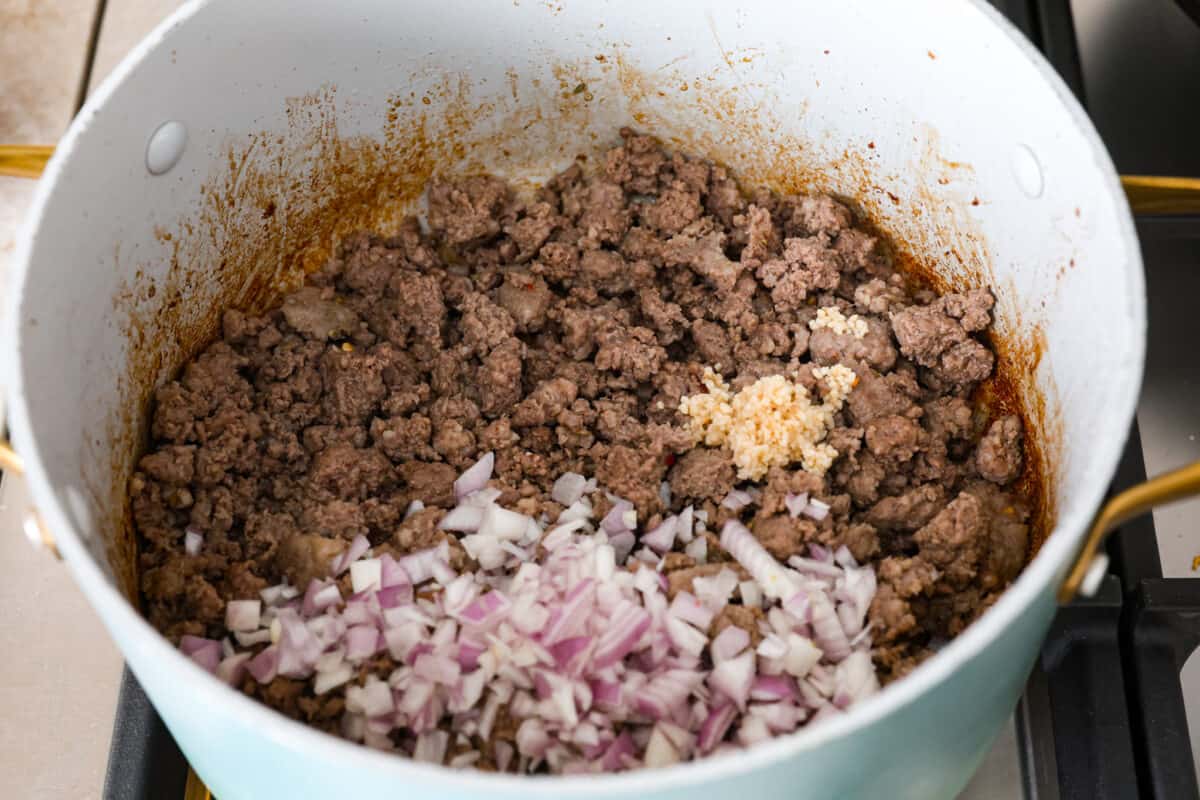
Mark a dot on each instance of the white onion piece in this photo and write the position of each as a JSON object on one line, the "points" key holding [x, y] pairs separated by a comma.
{"points": [[475, 478], [698, 549], [414, 507], [366, 574], [816, 510], [581, 509], [662, 537], [736, 500], [193, 540], [462, 518], [616, 521], [242, 615], [569, 487], [751, 594], [729, 643], [685, 529], [762, 566], [796, 503], [502, 523], [733, 678], [715, 591]]}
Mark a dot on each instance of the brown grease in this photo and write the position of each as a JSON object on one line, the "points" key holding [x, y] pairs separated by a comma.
{"points": [[275, 208]]}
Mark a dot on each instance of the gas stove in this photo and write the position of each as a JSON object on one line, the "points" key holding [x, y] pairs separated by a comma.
{"points": [[1104, 713]]}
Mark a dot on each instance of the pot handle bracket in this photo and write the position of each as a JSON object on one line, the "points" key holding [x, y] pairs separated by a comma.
{"points": [[1090, 565]]}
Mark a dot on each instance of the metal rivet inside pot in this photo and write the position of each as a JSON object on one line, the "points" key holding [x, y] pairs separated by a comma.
{"points": [[165, 147], [1028, 171]]}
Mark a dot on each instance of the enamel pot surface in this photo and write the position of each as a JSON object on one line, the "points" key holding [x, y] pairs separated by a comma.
{"points": [[232, 148]]}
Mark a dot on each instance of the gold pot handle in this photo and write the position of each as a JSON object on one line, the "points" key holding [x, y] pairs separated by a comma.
{"points": [[24, 160], [1158, 194], [1167, 488]]}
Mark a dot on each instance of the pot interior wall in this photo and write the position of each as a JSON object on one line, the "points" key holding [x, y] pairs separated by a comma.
{"points": [[308, 121]]}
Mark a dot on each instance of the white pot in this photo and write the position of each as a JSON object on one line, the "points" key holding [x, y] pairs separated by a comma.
{"points": [[934, 116]]}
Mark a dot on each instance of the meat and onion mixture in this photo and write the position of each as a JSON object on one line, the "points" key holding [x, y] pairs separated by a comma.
{"points": [[646, 467]]}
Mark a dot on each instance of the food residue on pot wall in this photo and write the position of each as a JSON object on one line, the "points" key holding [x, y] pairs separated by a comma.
{"points": [[276, 202]]}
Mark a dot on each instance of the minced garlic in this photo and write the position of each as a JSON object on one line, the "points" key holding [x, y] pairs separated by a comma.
{"points": [[772, 422], [832, 318]]}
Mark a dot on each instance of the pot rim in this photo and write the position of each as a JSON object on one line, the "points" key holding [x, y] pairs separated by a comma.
{"points": [[1049, 566]]}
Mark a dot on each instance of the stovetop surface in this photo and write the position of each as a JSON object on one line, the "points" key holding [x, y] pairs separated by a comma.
{"points": [[1136, 64]]}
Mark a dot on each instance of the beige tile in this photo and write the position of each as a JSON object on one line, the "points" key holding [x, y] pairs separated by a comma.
{"points": [[43, 50], [59, 675], [125, 23]]}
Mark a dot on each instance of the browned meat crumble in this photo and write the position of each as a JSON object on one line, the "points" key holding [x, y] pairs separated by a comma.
{"points": [[561, 332]]}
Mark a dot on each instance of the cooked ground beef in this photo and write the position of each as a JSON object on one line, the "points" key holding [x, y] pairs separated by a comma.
{"points": [[560, 332]]}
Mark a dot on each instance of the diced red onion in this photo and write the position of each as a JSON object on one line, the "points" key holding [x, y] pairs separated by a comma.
{"points": [[319, 596], [698, 549], [485, 612], [205, 652], [801, 656], [419, 565], [232, 668], [816, 510], [729, 643], [686, 607], [811, 567], [685, 637], [475, 478], [716, 590], [620, 754], [827, 630], [581, 509], [568, 488], [662, 537], [362, 641], [366, 574], [250, 639], [242, 615], [715, 726], [394, 596], [660, 750], [734, 677], [464, 519], [193, 541], [615, 520], [627, 625], [751, 593], [740, 543], [796, 503], [569, 643], [772, 688], [622, 544], [355, 551], [736, 500], [502, 523], [855, 676], [504, 753], [263, 667], [332, 678], [438, 669]]}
